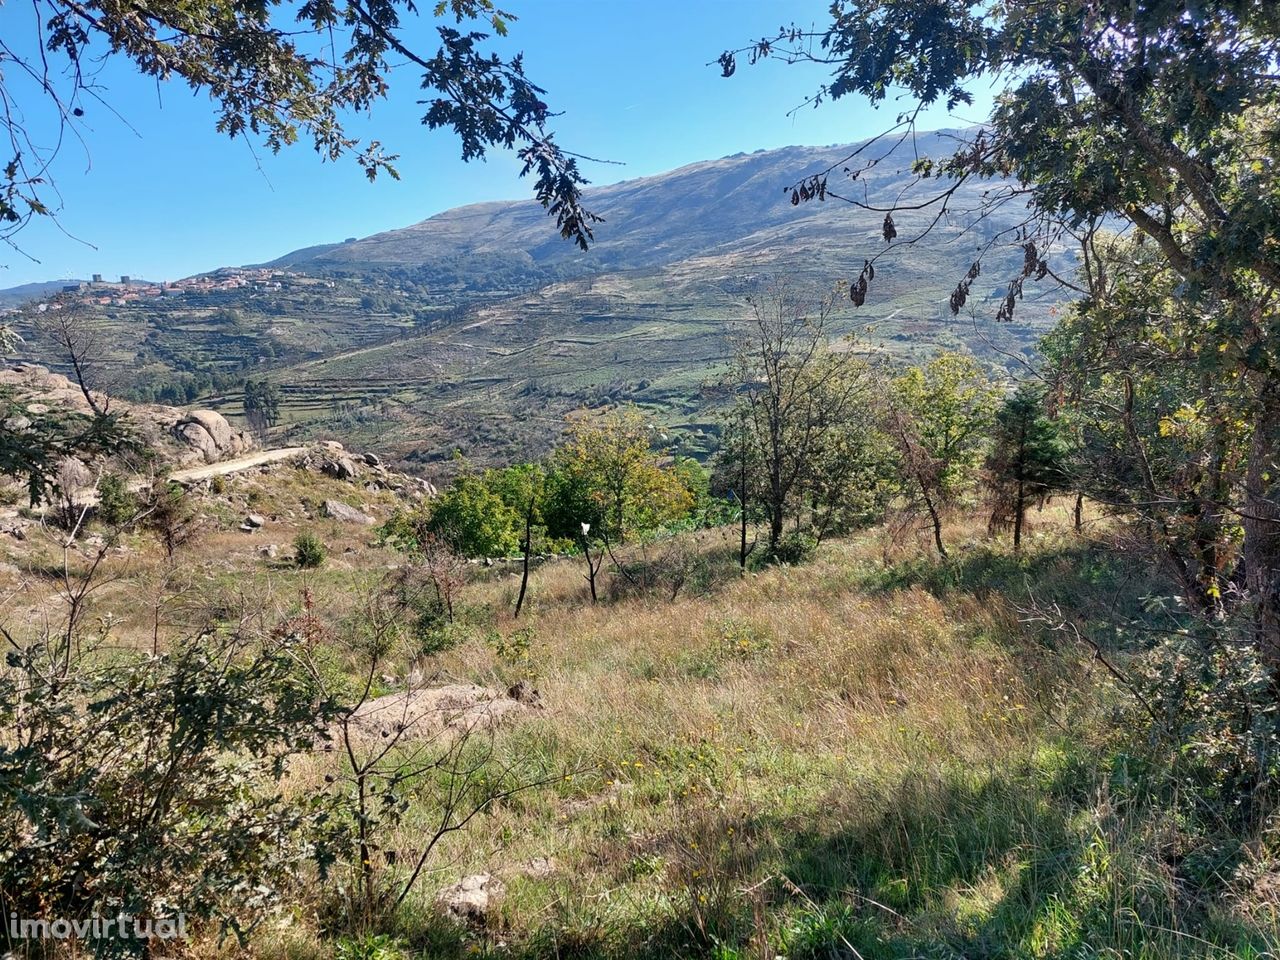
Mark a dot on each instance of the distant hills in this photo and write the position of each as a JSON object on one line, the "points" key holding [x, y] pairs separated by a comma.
{"points": [[729, 206], [15, 296], [478, 328]]}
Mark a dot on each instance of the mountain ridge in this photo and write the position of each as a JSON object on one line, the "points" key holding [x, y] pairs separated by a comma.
{"points": [[647, 222], [478, 328]]}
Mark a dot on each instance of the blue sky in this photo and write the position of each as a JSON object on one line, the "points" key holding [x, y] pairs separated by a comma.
{"points": [[157, 193]]}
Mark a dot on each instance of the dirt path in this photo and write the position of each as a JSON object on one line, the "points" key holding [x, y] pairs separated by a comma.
{"points": [[224, 467]]}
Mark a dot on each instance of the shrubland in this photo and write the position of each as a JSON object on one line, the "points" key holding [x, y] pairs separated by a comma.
{"points": [[641, 737], [880, 752]]}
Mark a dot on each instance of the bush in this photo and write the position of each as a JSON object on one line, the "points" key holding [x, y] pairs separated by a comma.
{"points": [[795, 548], [309, 552], [172, 517], [442, 636], [379, 946], [95, 820], [516, 648], [117, 505]]}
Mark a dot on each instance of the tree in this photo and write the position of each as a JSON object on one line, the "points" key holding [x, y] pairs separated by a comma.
{"points": [[473, 519], [1026, 462], [795, 394], [150, 783], [34, 445], [852, 475], [1163, 116], [79, 338], [1160, 437], [261, 405], [523, 487], [737, 469], [277, 72], [606, 475], [170, 516], [939, 415]]}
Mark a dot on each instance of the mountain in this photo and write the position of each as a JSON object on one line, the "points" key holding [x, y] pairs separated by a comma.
{"points": [[16, 296], [479, 329], [709, 208]]}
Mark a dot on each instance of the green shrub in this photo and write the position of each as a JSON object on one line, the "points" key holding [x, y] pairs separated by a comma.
{"points": [[795, 548], [441, 635], [117, 504], [309, 551], [516, 648], [94, 820], [379, 946]]}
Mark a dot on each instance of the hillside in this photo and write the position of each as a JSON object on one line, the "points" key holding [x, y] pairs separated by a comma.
{"points": [[24, 292], [478, 329], [731, 205], [872, 755]]}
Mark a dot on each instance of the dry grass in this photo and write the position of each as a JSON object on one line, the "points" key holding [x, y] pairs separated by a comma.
{"points": [[867, 756]]}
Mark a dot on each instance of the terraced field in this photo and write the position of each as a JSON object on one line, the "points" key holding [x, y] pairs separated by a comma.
{"points": [[476, 331]]}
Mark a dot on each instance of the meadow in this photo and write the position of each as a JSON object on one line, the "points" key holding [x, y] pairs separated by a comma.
{"points": [[876, 754]]}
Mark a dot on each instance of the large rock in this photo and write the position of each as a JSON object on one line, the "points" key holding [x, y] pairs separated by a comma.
{"points": [[435, 713], [208, 433], [198, 439], [215, 424], [338, 510], [472, 898], [73, 475], [340, 468]]}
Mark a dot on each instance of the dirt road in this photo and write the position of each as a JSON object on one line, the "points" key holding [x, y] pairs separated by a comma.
{"points": [[224, 467]]}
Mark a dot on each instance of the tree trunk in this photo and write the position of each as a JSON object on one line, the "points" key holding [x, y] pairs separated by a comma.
{"points": [[1262, 528], [937, 521], [1079, 512], [1019, 508], [742, 504], [1020, 505], [528, 546], [777, 501], [776, 520], [777, 504], [591, 569]]}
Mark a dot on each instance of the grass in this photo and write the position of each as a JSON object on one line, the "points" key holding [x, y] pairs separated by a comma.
{"points": [[869, 756]]}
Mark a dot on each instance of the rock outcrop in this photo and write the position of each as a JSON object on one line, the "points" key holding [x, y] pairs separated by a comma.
{"points": [[338, 510], [428, 713], [208, 433], [340, 468], [471, 899]]}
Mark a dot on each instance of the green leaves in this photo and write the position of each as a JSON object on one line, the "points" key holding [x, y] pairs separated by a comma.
{"points": [[950, 404], [280, 85], [150, 783], [34, 444]]}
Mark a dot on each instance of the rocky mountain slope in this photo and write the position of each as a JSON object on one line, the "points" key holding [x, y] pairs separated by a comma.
{"points": [[716, 207], [478, 329]]}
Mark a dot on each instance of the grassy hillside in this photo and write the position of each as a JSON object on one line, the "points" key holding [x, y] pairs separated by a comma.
{"points": [[870, 756], [497, 384]]}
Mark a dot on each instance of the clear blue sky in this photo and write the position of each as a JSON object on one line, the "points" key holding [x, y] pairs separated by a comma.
{"points": [[157, 193]]}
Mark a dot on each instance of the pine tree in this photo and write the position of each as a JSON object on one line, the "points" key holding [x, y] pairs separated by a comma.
{"points": [[1026, 462]]}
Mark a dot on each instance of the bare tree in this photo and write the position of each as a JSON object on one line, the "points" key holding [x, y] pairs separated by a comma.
{"points": [[79, 337], [433, 578], [393, 742], [794, 390]]}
